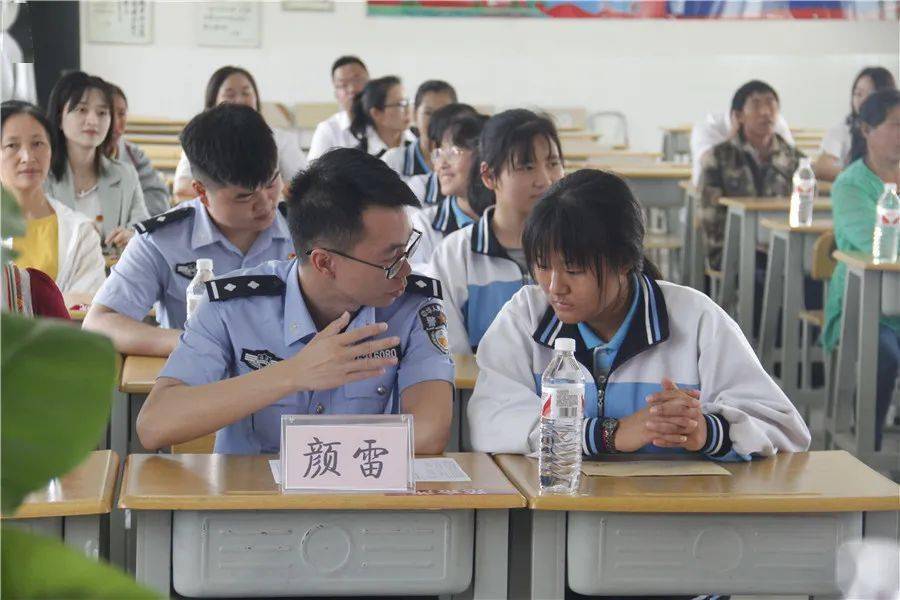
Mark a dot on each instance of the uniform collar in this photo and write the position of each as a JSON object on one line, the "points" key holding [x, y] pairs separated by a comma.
{"points": [[414, 162], [449, 216], [206, 232], [298, 323], [647, 326], [432, 190], [483, 239], [377, 147], [590, 337]]}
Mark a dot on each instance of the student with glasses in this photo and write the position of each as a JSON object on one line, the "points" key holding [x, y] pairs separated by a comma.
{"points": [[379, 118], [345, 328], [412, 161], [453, 158]]}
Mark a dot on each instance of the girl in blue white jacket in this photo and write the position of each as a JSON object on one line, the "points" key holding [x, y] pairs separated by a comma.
{"points": [[482, 266], [667, 369]]}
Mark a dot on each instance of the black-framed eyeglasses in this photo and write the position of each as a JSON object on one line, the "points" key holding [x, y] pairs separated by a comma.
{"points": [[391, 270]]}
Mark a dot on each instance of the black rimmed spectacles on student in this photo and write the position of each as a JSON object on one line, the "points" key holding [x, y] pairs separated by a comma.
{"points": [[391, 270]]}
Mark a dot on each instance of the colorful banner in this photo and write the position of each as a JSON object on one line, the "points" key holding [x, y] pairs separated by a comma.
{"points": [[646, 9]]}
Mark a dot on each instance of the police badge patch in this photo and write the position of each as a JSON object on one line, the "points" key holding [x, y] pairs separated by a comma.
{"points": [[435, 324], [258, 359], [188, 269]]}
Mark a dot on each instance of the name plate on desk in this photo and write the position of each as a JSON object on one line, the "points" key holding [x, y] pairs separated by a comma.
{"points": [[347, 453]]}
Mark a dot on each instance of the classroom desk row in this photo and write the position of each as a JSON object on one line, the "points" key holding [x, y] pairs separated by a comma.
{"points": [[870, 290], [208, 525]]}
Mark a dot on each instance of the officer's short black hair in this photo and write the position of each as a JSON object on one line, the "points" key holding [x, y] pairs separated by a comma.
{"points": [[347, 60], [754, 86], [326, 202], [230, 144], [433, 86]]}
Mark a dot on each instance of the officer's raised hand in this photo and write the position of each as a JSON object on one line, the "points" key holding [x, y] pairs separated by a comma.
{"points": [[332, 358]]}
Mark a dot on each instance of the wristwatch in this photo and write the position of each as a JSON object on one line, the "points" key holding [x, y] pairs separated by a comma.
{"points": [[608, 428]]}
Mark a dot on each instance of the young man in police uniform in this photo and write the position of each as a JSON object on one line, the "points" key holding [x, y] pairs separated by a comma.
{"points": [[233, 221], [343, 329]]}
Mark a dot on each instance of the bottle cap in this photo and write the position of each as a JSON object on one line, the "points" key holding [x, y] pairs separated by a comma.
{"points": [[892, 187], [564, 344], [805, 161], [204, 264]]}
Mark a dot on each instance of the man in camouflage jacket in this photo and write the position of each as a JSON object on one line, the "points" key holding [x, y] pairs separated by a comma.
{"points": [[755, 161]]}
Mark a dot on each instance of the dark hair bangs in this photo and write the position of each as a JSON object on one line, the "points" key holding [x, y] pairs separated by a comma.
{"points": [[521, 144]]}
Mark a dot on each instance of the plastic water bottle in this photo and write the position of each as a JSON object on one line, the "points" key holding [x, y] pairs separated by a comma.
{"points": [[804, 195], [562, 406], [887, 225], [196, 290]]}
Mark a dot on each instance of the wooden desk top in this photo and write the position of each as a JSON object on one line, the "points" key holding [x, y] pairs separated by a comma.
{"points": [[758, 204], [164, 164], [139, 373], [862, 260], [466, 371], [232, 482], [648, 170], [831, 481], [818, 226], [87, 489]]}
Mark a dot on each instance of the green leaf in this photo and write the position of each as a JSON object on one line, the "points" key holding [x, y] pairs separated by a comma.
{"points": [[57, 388], [11, 221], [39, 567]]}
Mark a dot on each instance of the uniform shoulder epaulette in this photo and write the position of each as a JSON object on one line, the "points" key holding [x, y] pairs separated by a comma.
{"points": [[424, 286], [167, 218], [244, 286]]}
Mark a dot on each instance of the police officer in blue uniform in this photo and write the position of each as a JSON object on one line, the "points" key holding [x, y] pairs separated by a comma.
{"points": [[233, 221], [345, 328]]}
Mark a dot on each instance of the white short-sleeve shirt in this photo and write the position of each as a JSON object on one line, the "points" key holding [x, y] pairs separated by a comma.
{"points": [[837, 142]]}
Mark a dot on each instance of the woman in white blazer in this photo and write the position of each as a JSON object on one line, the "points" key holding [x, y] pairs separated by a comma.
{"points": [[57, 240], [104, 190]]}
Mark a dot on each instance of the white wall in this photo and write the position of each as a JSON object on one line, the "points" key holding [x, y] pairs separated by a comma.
{"points": [[659, 73]]}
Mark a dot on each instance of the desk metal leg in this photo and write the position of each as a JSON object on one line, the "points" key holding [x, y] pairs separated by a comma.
{"points": [[153, 555], [120, 420], [687, 250], [548, 555], [747, 274], [83, 533], [790, 340], [867, 365], [837, 417], [882, 524], [773, 299], [491, 566], [729, 266]]}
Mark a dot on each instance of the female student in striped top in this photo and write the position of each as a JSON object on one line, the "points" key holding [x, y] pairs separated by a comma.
{"points": [[482, 266], [453, 158], [667, 369], [379, 119], [412, 161]]}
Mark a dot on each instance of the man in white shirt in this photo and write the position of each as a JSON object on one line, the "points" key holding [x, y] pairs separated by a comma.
{"points": [[349, 76], [717, 128]]}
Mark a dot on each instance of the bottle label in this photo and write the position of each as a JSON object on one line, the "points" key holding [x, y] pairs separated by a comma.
{"points": [[889, 216], [805, 187], [562, 401]]}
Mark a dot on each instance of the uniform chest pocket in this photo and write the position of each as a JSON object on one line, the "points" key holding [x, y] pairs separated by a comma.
{"points": [[369, 396], [266, 422]]}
